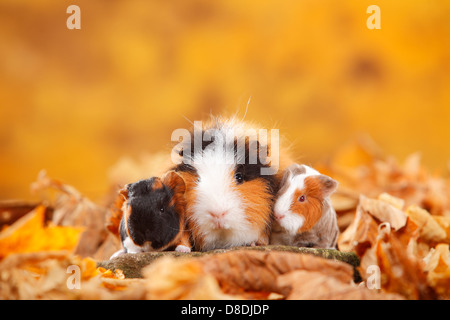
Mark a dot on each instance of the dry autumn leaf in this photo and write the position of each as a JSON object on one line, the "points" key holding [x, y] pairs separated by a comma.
{"points": [[313, 285], [429, 229], [361, 233], [384, 212], [444, 223], [438, 268], [235, 274], [400, 272], [395, 241], [45, 275], [181, 279], [257, 271], [28, 234], [367, 171], [71, 208], [394, 201]]}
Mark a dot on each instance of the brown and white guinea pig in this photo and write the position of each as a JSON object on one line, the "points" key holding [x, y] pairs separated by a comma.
{"points": [[229, 196], [154, 216], [304, 216]]}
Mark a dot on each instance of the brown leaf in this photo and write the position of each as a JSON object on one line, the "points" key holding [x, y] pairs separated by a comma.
{"points": [[313, 285], [258, 271], [400, 272], [44, 275], [394, 250], [179, 279], [360, 235], [444, 223], [438, 267], [384, 212], [72, 209], [429, 229], [234, 274]]}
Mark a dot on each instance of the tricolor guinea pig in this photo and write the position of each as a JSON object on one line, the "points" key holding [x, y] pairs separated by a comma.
{"points": [[154, 216], [304, 216], [229, 195]]}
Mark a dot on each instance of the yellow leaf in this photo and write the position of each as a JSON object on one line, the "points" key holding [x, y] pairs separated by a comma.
{"points": [[438, 267], [430, 230], [29, 234]]}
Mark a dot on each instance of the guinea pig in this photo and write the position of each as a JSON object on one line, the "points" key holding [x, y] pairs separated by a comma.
{"points": [[304, 216], [154, 216], [229, 196]]}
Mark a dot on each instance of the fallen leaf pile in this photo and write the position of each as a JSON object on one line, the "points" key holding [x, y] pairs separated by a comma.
{"points": [[396, 218], [242, 274], [361, 168], [70, 208]]}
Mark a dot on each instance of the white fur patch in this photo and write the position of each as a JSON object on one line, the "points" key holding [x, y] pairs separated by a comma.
{"points": [[117, 253], [292, 222], [181, 248], [230, 238], [130, 246]]}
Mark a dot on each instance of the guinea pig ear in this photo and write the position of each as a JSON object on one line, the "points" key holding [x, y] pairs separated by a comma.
{"points": [[174, 181], [287, 173], [328, 185], [296, 169], [291, 171], [124, 192]]}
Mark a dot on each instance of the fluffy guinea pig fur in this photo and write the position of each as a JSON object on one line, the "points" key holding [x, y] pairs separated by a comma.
{"points": [[229, 196], [304, 216], [154, 215]]}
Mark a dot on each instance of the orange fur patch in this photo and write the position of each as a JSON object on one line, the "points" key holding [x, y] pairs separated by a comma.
{"points": [[311, 208], [115, 213], [260, 200], [157, 184], [177, 184], [189, 198], [126, 215]]}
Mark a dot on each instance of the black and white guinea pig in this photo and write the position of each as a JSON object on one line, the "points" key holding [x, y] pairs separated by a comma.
{"points": [[304, 216], [229, 197], [154, 216]]}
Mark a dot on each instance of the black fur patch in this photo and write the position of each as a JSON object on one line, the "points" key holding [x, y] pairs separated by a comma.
{"points": [[249, 170], [146, 221]]}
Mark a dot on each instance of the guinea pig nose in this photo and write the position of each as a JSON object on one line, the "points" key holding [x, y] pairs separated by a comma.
{"points": [[279, 216], [217, 215]]}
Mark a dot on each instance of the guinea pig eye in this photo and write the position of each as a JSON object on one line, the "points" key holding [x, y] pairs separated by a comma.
{"points": [[161, 209], [302, 198], [239, 177]]}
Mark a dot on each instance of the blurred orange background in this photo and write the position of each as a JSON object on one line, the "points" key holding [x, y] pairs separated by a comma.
{"points": [[75, 101]]}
